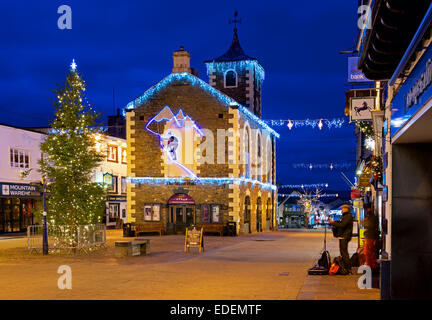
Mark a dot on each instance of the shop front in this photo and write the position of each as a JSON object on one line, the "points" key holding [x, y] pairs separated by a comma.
{"points": [[182, 213], [18, 204]]}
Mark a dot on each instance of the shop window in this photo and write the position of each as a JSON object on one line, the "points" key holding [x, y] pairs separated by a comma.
{"points": [[19, 158], [112, 188], [152, 212], [123, 155], [123, 185], [112, 153], [230, 79], [113, 212]]}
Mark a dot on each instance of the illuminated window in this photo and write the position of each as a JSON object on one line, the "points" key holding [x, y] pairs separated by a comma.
{"points": [[230, 79], [123, 185], [112, 155], [19, 158], [123, 155], [247, 208], [247, 154]]}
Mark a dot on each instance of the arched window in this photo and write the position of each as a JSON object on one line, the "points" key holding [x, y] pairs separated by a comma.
{"points": [[269, 211], [230, 79], [269, 161], [247, 154], [247, 210], [259, 159], [259, 215]]}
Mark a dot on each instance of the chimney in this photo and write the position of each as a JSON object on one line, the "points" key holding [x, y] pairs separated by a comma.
{"points": [[181, 61]]}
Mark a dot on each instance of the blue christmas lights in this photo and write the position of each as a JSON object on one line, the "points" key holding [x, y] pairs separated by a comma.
{"points": [[198, 180], [314, 123], [303, 186], [221, 66], [178, 77]]}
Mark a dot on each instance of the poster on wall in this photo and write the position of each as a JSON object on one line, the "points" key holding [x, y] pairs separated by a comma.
{"points": [[156, 213], [215, 214], [361, 108], [205, 213], [148, 213]]}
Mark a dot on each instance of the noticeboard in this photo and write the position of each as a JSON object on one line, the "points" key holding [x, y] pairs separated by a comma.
{"points": [[194, 238]]}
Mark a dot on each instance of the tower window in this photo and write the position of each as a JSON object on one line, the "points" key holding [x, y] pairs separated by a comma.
{"points": [[230, 79]]}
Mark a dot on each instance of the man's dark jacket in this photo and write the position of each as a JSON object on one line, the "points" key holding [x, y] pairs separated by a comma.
{"points": [[345, 226]]}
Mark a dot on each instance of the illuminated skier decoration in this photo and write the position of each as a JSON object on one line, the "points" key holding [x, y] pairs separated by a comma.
{"points": [[171, 142]]}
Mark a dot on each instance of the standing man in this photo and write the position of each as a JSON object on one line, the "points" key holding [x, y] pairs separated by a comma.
{"points": [[344, 227]]}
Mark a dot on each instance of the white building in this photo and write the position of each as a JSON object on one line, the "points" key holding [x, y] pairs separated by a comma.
{"points": [[113, 171], [20, 179]]}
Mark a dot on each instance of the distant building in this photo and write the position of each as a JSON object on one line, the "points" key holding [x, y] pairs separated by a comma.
{"points": [[20, 180], [117, 125]]}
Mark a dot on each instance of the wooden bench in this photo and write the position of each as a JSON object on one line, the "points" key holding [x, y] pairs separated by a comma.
{"points": [[149, 227], [212, 227]]}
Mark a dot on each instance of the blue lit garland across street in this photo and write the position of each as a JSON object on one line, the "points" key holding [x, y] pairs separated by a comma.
{"points": [[314, 123], [331, 166], [198, 180], [195, 81], [329, 195], [303, 186]]}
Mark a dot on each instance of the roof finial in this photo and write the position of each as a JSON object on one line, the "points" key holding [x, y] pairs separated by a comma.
{"points": [[235, 21]]}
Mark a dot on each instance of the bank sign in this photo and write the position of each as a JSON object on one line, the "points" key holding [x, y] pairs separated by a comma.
{"points": [[18, 190], [414, 93], [354, 73]]}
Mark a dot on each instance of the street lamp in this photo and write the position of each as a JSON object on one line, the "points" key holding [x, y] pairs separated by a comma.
{"points": [[45, 228]]}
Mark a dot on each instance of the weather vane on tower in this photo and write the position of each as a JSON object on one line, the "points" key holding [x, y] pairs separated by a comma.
{"points": [[235, 20]]}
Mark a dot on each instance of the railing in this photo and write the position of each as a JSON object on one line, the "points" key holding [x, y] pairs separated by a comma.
{"points": [[69, 239]]}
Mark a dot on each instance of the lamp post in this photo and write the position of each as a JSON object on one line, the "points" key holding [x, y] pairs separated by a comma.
{"points": [[45, 228]]}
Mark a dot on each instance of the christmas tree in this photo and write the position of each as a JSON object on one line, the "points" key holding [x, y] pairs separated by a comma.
{"points": [[70, 158]]}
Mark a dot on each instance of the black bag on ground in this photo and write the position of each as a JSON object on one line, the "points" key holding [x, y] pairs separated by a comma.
{"points": [[318, 271], [355, 260], [343, 270]]}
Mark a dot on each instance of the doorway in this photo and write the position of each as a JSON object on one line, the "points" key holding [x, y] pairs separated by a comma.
{"points": [[182, 216]]}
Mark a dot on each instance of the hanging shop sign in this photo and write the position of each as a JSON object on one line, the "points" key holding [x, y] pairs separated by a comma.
{"points": [[414, 93], [108, 179], [19, 190], [355, 194], [181, 198], [354, 73], [361, 108]]}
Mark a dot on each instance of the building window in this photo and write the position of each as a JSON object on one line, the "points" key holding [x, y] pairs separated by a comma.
{"points": [[268, 209], [230, 79], [205, 213], [215, 214], [113, 212], [123, 185], [123, 155], [247, 154], [19, 158], [112, 155], [152, 212], [113, 187], [259, 160]]}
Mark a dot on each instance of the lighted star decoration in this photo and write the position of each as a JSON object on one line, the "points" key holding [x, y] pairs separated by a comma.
{"points": [[73, 65]]}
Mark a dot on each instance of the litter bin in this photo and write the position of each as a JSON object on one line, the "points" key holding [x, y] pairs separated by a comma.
{"points": [[127, 230], [232, 228]]}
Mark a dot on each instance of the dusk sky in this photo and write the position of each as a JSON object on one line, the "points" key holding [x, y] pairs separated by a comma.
{"points": [[128, 45]]}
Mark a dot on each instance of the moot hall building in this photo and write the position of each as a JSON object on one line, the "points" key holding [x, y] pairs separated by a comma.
{"points": [[199, 153]]}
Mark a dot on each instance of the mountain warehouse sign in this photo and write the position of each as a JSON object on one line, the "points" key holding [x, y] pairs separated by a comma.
{"points": [[419, 86], [15, 190]]}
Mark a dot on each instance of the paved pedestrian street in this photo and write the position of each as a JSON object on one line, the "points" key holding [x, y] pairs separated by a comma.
{"points": [[269, 265]]}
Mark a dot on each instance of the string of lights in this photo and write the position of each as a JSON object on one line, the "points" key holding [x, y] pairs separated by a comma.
{"points": [[330, 195], [313, 123], [331, 166], [304, 186]]}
